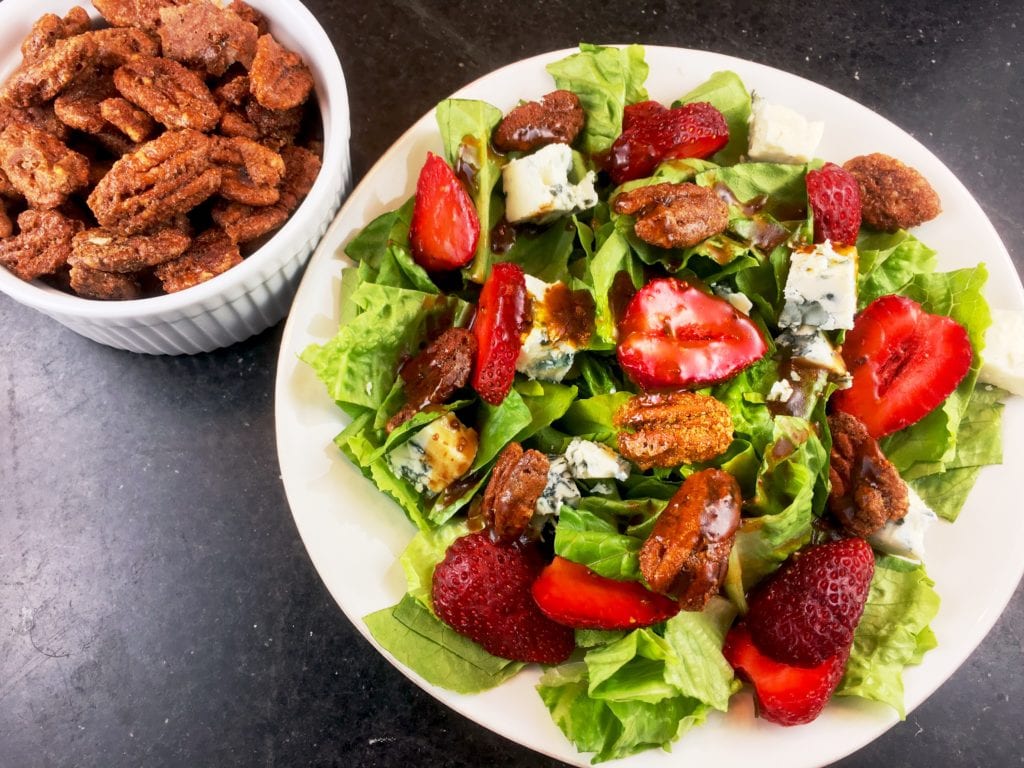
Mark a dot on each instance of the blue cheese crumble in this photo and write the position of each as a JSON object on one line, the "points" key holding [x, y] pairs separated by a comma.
{"points": [[537, 187], [560, 489], [540, 357], [436, 456], [779, 134], [821, 289], [593, 461], [905, 537]]}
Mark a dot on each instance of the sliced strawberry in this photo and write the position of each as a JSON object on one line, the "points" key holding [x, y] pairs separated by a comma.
{"points": [[808, 610], [574, 595], [445, 228], [785, 694], [482, 590], [500, 320], [652, 134], [904, 362], [675, 335], [834, 197]]}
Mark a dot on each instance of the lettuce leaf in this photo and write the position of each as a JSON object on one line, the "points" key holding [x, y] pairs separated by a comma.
{"points": [[887, 262], [893, 632], [726, 92], [390, 228], [614, 257], [544, 253], [783, 185], [421, 556], [590, 536], [606, 80]]}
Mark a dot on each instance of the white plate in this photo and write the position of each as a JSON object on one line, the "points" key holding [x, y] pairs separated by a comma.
{"points": [[354, 534]]}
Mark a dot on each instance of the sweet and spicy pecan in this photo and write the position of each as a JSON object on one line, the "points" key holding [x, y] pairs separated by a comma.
{"points": [[117, 45], [278, 78], [172, 94], [144, 14], [245, 223], [555, 119], [109, 251], [49, 28], [205, 35], [274, 127], [867, 491], [41, 117], [79, 106], [672, 429], [250, 14], [210, 254], [687, 552], [42, 245], [892, 195], [39, 79], [250, 173], [108, 286], [674, 215], [127, 118], [169, 175], [40, 166], [433, 375], [518, 480]]}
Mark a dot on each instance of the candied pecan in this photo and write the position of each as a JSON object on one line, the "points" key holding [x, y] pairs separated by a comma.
{"points": [[245, 223], [174, 95], [117, 45], [210, 254], [42, 245], [144, 14], [79, 106], [41, 117], [97, 284], [6, 188], [40, 166], [108, 251], [278, 78], [518, 480], [49, 28], [6, 225], [674, 215], [892, 195], [432, 376], [687, 552], [250, 173], [40, 79], [204, 35], [867, 491], [672, 429], [555, 119], [164, 177], [127, 118], [250, 14], [235, 124], [301, 167], [115, 142], [274, 127], [233, 90]]}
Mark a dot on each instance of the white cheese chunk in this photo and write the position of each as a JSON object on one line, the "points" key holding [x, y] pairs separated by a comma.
{"points": [[821, 289], [811, 347], [540, 357], [593, 461], [537, 187], [437, 455], [739, 301], [781, 391], [780, 135], [905, 537], [560, 489], [1003, 358]]}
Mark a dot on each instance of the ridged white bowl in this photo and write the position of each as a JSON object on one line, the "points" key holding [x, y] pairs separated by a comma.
{"points": [[250, 297]]}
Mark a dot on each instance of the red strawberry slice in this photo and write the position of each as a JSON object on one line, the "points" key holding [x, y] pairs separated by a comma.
{"points": [[445, 228], [904, 362], [807, 612], [834, 197], [784, 694], [675, 335], [500, 320], [574, 595], [652, 134], [482, 590]]}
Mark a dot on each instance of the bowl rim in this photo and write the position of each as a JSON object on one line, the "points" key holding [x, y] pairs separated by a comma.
{"points": [[332, 97]]}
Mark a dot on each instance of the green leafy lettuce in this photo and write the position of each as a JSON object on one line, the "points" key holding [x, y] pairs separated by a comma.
{"points": [[726, 92]]}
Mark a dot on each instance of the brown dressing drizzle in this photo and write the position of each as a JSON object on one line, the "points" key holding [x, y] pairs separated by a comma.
{"points": [[503, 236], [621, 293], [570, 314], [748, 208]]}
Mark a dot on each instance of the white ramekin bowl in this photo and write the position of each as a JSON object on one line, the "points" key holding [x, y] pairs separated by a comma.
{"points": [[250, 297]]}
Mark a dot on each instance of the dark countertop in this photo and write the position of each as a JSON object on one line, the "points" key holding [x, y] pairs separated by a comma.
{"points": [[157, 607]]}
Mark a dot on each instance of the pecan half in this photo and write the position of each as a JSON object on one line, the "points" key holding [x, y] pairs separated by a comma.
{"points": [[892, 195], [556, 119], [210, 254], [134, 13], [518, 480], [41, 118], [127, 118], [39, 79], [79, 106], [274, 127], [674, 215], [250, 172], [42, 245], [162, 178], [687, 553], [49, 28], [867, 491], [278, 78], [673, 429], [117, 45], [110, 252], [172, 94], [432, 376], [205, 35], [250, 14], [108, 286], [40, 166]]}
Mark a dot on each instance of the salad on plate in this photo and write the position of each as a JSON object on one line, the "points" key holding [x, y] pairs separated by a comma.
{"points": [[669, 400]]}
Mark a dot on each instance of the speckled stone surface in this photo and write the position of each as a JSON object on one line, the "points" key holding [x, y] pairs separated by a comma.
{"points": [[156, 605]]}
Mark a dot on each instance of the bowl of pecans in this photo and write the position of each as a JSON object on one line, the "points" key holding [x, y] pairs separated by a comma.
{"points": [[166, 166]]}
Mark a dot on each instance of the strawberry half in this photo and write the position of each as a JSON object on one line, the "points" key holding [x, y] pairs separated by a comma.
{"points": [[904, 362], [784, 694], [498, 327], [674, 335], [652, 134], [574, 595], [482, 590], [834, 197], [445, 228], [807, 612]]}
